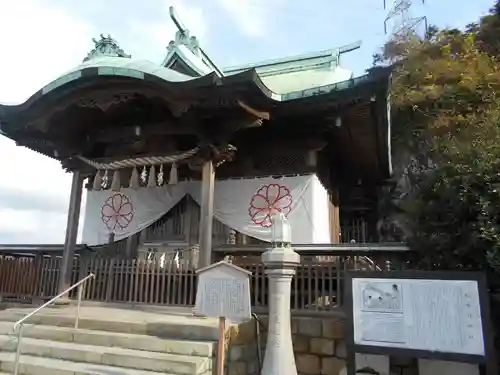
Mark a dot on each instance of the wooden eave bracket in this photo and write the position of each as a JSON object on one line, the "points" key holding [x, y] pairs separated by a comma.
{"points": [[259, 114]]}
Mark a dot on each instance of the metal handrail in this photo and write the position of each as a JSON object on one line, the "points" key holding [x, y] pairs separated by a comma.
{"points": [[372, 263], [20, 323]]}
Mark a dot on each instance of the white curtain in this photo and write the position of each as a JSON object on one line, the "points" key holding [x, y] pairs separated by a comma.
{"points": [[127, 212], [244, 205]]}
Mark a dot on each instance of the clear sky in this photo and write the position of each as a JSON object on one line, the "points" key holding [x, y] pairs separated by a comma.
{"points": [[41, 39]]}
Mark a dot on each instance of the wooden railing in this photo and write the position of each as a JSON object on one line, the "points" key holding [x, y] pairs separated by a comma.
{"points": [[317, 286], [353, 230], [140, 281], [25, 278]]}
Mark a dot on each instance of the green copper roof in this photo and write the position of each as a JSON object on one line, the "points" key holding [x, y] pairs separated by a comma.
{"points": [[139, 69], [118, 66], [282, 76], [295, 77], [313, 73], [329, 59]]}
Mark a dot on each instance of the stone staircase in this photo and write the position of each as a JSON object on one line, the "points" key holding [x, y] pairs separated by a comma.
{"points": [[109, 341]]}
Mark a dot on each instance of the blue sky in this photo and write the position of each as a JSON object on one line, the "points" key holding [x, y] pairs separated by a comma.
{"points": [[237, 32], [41, 39]]}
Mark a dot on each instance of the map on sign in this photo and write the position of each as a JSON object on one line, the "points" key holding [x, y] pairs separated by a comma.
{"points": [[382, 296], [433, 315]]}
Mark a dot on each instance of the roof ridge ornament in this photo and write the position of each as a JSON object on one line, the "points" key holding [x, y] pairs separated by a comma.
{"points": [[106, 46], [182, 36]]}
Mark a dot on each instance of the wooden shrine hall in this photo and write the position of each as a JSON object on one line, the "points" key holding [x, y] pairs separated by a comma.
{"points": [[187, 129]]}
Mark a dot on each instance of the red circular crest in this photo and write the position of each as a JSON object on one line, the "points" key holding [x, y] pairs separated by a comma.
{"points": [[268, 200], [117, 212]]}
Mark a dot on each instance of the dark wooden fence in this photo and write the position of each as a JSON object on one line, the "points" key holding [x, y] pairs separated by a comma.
{"points": [[317, 286]]}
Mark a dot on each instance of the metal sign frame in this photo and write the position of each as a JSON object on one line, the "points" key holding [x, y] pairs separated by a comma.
{"points": [[488, 360]]}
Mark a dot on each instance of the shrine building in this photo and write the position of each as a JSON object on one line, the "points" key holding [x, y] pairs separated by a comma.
{"points": [[188, 155]]}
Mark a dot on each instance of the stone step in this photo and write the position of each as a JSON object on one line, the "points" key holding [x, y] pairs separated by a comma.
{"points": [[171, 326], [113, 339], [108, 356], [30, 365]]}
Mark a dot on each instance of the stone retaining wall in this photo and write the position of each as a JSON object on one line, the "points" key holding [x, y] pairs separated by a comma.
{"points": [[318, 344]]}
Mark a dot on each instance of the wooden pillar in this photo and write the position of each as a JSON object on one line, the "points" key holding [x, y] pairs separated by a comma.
{"points": [[206, 214], [187, 219], [334, 213], [131, 246], [75, 201]]}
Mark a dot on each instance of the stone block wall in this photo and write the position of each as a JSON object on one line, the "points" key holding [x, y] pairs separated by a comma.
{"points": [[318, 344]]}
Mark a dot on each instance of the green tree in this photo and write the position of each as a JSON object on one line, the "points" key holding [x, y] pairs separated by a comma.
{"points": [[487, 30], [446, 110], [446, 122]]}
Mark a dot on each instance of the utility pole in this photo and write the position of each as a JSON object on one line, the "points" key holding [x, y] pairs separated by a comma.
{"points": [[400, 19]]}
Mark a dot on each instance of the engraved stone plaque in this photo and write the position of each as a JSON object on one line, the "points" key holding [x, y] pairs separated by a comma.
{"points": [[223, 291]]}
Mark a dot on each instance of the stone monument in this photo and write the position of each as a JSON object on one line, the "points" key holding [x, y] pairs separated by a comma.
{"points": [[281, 262]]}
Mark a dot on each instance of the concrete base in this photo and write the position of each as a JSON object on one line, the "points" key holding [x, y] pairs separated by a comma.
{"points": [[61, 302], [432, 367]]}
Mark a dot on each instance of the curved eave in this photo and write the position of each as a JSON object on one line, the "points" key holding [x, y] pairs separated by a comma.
{"points": [[162, 77], [209, 89], [249, 84], [328, 99]]}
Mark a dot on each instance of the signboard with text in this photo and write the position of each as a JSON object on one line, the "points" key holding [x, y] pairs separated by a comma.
{"points": [[436, 315], [224, 291]]}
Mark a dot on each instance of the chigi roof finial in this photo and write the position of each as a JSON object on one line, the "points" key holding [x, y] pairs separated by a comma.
{"points": [[106, 46], [182, 36]]}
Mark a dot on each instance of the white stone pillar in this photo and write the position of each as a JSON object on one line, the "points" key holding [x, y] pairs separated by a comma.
{"points": [[281, 262]]}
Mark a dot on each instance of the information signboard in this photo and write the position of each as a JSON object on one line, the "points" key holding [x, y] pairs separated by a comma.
{"points": [[437, 315], [224, 291]]}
